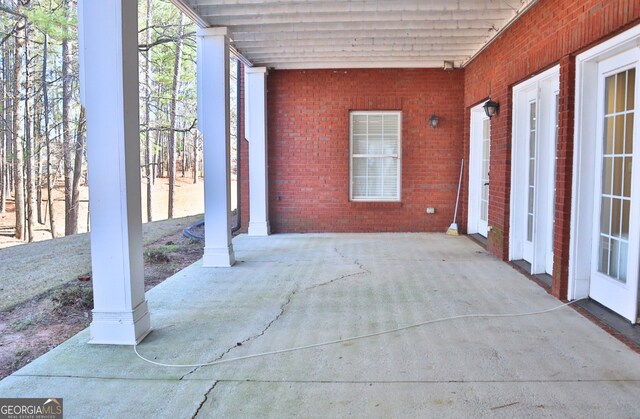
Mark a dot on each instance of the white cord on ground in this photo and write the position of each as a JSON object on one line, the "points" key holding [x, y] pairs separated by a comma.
{"points": [[369, 335]]}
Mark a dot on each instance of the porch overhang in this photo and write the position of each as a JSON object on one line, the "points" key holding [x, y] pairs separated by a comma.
{"points": [[295, 34]]}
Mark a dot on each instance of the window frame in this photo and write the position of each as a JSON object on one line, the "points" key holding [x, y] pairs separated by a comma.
{"points": [[398, 156]]}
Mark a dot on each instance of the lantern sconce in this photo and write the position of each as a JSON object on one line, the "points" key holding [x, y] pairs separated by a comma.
{"points": [[491, 108], [434, 120]]}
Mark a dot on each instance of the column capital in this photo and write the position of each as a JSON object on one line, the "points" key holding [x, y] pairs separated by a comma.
{"points": [[257, 70], [214, 31]]}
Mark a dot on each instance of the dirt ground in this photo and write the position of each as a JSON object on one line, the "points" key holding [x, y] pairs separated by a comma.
{"points": [[32, 328], [37, 326], [189, 200]]}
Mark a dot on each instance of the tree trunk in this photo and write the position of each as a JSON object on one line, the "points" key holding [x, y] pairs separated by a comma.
{"points": [[37, 141], [147, 116], [47, 140], [18, 135], [71, 215], [172, 116], [77, 165], [4, 135], [184, 154], [195, 157], [28, 157]]}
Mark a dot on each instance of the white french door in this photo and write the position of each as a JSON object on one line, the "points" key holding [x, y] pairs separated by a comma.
{"points": [[615, 243], [479, 168], [534, 143]]}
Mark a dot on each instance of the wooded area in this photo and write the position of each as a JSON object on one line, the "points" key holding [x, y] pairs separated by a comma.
{"points": [[42, 124]]}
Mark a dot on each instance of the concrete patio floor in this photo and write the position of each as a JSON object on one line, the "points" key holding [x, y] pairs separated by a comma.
{"points": [[294, 290]]}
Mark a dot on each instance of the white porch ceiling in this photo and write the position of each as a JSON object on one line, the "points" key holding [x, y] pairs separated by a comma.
{"points": [[298, 34]]}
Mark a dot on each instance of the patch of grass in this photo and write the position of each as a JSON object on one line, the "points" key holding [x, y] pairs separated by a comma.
{"points": [[160, 254], [79, 296], [20, 355], [23, 324], [20, 325]]}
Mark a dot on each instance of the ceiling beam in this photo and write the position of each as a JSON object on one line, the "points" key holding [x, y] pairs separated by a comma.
{"points": [[369, 26], [233, 7], [422, 49], [375, 16], [352, 64], [361, 42], [479, 33]]}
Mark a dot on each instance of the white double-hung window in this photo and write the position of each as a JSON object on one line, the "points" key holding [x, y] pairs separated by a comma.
{"points": [[375, 168]]}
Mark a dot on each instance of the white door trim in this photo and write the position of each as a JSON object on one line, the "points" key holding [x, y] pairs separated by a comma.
{"points": [[475, 171], [542, 89], [584, 177]]}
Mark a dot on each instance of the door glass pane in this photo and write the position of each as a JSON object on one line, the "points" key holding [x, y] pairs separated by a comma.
{"points": [[626, 190], [622, 270], [621, 92], [617, 160], [607, 175], [628, 144], [610, 94], [532, 169], [616, 210], [603, 260], [617, 175], [608, 134], [626, 208], [605, 216], [613, 258], [619, 135]]}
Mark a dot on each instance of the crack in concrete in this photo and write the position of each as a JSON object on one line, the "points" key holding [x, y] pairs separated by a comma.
{"points": [[283, 307], [206, 397], [356, 262], [252, 337]]}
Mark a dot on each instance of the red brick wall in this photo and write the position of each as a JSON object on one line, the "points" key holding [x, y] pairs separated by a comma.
{"points": [[551, 32], [308, 146]]}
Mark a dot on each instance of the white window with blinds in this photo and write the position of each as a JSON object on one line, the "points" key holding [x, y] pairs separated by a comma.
{"points": [[375, 156]]}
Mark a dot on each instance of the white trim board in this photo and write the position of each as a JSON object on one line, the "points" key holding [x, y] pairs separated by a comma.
{"points": [[542, 89], [586, 119]]}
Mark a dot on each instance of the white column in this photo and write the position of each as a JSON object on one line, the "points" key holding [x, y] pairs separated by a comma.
{"points": [[109, 59], [256, 97], [213, 122]]}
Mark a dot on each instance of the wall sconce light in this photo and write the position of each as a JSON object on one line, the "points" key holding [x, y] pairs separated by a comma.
{"points": [[434, 120], [491, 108]]}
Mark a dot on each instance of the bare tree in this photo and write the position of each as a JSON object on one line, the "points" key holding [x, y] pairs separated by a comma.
{"points": [[147, 115], [18, 130], [77, 164], [5, 134], [172, 117], [47, 139], [28, 157], [71, 212]]}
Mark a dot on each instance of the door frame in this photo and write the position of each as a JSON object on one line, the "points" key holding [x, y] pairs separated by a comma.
{"points": [[542, 88], [584, 177], [477, 116]]}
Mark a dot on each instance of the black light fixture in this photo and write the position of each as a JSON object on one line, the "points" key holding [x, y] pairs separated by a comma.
{"points": [[491, 108], [434, 120]]}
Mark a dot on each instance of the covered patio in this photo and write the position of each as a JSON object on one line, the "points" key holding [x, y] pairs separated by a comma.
{"points": [[263, 35], [294, 290]]}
